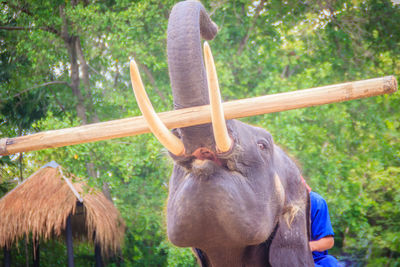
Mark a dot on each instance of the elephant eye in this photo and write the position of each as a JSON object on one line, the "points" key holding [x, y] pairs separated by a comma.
{"points": [[262, 144]]}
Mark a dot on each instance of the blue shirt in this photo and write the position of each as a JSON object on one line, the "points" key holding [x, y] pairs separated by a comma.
{"points": [[320, 224]]}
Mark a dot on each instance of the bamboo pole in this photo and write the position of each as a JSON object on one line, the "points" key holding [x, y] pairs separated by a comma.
{"points": [[201, 114]]}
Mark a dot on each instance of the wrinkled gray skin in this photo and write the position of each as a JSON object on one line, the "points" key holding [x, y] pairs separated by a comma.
{"points": [[228, 204]]}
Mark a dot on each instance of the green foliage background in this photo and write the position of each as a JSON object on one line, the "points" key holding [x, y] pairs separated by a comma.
{"points": [[349, 152]]}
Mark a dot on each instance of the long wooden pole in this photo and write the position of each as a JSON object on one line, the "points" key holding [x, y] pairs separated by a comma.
{"points": [[201, 114]]}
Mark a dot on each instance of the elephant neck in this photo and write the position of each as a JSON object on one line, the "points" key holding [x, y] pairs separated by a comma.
{"points": [[253, 256]]}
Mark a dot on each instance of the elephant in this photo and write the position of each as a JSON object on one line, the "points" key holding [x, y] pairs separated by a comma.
{"points": [[235, 197]]}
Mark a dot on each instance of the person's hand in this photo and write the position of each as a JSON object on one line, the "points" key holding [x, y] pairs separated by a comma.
{"points": [[312, 246], [322, 244]]}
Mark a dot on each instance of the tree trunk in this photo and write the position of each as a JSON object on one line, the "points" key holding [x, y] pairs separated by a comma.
{"points": [[70, 43], [75, 51], [86, 81]]}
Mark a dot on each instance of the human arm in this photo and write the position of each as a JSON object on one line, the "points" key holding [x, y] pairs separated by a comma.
{"points": [[321, 227], [322, 244]]}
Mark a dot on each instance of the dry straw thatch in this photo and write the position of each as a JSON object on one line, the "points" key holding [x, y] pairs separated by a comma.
{"points": [[41, 205]]}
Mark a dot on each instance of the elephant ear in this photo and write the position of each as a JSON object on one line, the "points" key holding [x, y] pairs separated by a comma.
{"points": [[290, 245]]}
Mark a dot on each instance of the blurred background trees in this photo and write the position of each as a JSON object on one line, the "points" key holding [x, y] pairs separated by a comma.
{"points": [[65, 63]]}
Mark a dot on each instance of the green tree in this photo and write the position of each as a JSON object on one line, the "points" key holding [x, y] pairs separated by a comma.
{"points": [[65, 63]]}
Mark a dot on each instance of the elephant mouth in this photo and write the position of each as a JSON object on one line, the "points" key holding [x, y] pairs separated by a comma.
{"points": [[201, 159], [204, 153], [174, 144]]}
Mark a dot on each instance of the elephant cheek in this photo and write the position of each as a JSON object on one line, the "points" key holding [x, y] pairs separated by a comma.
{"points": [[182, 227]]}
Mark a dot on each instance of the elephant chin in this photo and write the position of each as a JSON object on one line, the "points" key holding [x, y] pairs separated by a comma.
{"points": [[215, 206]]}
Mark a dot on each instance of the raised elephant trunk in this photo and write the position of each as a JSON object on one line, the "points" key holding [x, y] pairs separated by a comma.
{"points": [[191, 86], [187, 23]]}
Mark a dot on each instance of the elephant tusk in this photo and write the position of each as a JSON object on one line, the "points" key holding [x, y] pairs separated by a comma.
{"points": [[157, 127], [222, 139]]}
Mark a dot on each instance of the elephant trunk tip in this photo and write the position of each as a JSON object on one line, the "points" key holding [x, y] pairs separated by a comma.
{"points": [[208, 30]]}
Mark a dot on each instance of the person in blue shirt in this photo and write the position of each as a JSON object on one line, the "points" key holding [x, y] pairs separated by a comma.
{"points": [[321, 232]]}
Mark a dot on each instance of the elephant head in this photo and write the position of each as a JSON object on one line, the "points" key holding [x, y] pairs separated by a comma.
{"points": [[234, 195]]}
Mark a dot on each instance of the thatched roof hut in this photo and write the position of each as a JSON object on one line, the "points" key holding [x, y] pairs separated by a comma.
{"points": [[41, 205]]}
